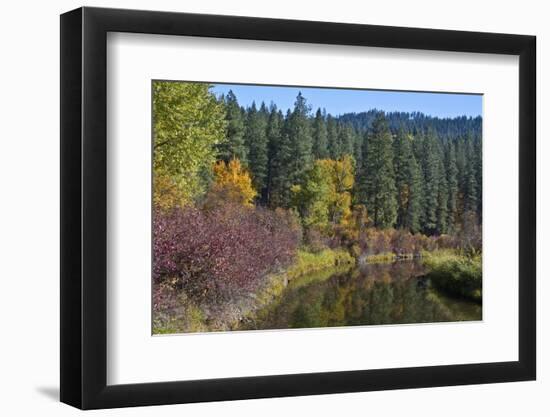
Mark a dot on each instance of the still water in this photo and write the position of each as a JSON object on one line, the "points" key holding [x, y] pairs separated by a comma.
{"points": [[372, 294]]}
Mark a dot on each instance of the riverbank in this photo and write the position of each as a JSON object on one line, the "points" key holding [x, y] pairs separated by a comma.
{"points": [[387, 257], [449, 271], [190, 317], [455, 274]]}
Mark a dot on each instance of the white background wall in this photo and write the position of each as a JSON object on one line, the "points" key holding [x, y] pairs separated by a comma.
{"points": [[29, 210]]}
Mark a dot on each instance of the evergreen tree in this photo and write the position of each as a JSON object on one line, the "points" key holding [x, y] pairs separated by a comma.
{"points": [[442, 194], [345, 140], [320, 136], [470, 182], [256, 141], [332, 136], [277, 149], [357, 150], [415, 200], [234, 145], [285, 173], [430, 171], [479, 176], [452, 186], [298, 130], [378, 176], [407, 182]]}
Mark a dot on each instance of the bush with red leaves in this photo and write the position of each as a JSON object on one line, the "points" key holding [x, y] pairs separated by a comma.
{"points": [[217, 254]]}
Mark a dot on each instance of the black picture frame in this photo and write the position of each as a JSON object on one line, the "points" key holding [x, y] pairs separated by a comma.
{"points": [[84, 207]]}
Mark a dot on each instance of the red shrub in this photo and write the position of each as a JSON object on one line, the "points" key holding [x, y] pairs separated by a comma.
{"points": [[217, 254]]}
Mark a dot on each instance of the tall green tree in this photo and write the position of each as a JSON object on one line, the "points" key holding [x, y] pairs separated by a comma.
{"points": [[442, 194], [346, 139], [479, 176], [282, 162], [378, 177], [256, 141], [431, 179], [320, 136], [299, 157], [470, 176], [452, 186], [407, 182], [332, 138], [275, 153], [234, 146]]}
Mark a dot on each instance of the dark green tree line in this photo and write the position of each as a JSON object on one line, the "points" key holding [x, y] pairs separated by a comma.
{"points": [[412, 171]]}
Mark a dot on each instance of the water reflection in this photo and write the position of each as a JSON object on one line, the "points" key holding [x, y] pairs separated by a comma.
{"points": [[373, 294]]}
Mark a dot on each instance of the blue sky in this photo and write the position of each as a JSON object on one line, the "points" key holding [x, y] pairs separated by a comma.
{"points": [[339, 101]]}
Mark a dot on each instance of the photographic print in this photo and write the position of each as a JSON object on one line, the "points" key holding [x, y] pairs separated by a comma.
{"points": [[284, 207]]}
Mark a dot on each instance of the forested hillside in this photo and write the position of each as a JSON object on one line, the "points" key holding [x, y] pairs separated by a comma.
{"points": [[411, 171]]}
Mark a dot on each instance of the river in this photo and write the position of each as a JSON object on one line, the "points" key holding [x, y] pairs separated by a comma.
{"points": [[372, 294]]}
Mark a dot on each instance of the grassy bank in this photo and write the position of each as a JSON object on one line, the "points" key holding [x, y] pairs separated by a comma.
{"points": [[386, 257], [455, 274], [305, 264]]}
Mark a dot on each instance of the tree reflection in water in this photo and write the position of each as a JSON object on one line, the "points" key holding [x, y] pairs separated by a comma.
{"points": [[373, 294]]}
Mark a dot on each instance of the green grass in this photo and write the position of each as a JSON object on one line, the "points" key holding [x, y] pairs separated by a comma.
{"points": [[454, 273], [307, 262], [305, 265], [385, 257]]}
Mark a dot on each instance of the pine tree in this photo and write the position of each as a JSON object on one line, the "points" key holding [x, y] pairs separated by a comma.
{"points": [[442, 194], [276, 151], [452, 186], [332, 138], [320, 136], [479, 176], [283, 163], [234, 146], [407, 182], [358, 150], [470, 182], [300, 140], [430, 171], [378, 176], [415, 200], [256, 141], [345, 140]]}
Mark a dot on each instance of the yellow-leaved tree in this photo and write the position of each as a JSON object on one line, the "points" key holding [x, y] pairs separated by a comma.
{"points": [[232, 183]]}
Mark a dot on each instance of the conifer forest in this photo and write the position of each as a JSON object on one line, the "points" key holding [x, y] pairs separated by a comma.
{"points": [[268, 217]]}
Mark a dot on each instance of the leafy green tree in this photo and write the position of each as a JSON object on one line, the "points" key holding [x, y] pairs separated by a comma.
{"points": [[324, 197], [189, 125], [234, 146], [312, 198], [378, 177]]}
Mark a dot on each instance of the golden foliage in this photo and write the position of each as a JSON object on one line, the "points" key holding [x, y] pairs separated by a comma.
{"points": [[232, 182]]}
